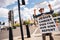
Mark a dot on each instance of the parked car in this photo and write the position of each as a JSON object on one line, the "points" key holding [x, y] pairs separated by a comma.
{"points": [[2, 27]]}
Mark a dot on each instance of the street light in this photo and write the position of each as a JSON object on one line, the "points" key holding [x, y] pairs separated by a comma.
{"points": [[23, 2]]}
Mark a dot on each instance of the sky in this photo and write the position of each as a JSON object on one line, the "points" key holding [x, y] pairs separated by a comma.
{"points": [[25, 10]]}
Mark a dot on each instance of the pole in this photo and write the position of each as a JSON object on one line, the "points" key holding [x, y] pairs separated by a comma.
{"points": [[28, 31], [22, 36], [10, 34], [10, 26]]}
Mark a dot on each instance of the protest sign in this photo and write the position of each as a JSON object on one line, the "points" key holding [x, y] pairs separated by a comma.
{"points": [[46, 23]]}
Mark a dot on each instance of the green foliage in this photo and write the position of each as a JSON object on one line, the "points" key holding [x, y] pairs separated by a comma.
{"points": [[27, 22], [17, 25], [55, 14]]}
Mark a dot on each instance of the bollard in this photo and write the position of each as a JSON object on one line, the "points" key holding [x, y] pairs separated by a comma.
{"points": [[10, 34], [28, 32]]}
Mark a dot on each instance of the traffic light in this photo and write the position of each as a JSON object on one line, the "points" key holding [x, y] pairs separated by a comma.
{"points": [[9, 15], [23, 2]]}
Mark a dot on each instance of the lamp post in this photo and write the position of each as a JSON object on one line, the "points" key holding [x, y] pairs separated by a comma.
{"points": [[22, 36]]}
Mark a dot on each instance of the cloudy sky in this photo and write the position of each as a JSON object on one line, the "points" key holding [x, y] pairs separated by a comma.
{"points": [[27, 9]]}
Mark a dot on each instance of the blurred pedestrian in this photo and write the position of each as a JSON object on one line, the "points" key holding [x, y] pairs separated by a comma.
{"points": [[58, 24]]}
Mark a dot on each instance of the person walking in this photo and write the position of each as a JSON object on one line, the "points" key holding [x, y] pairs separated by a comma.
{"points": [[58, 24]]}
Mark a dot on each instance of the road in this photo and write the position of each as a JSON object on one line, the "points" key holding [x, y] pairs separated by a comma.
{"points": [[16, 33]]}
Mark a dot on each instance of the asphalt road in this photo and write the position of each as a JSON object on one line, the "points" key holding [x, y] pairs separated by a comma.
{"points": [[16, 32], [4, 34]]}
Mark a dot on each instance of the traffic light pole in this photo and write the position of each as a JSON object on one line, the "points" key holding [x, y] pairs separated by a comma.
{"points": [[10, 25], [22, 36]]}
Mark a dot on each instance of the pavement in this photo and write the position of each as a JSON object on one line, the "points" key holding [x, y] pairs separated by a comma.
{"points": [[4, 35], [37, 37]]}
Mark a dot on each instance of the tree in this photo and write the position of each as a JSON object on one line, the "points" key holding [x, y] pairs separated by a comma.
{"points": [[16, 24], [26, 22], [55, 14]]}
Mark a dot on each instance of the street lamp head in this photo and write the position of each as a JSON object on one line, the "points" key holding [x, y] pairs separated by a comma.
{"points": [[23, 2]]}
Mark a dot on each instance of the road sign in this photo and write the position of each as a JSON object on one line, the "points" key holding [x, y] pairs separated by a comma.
{"points": [[46, 23]]}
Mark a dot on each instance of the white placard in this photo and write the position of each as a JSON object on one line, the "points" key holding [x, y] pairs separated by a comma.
{"points": [[46, 23]]}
